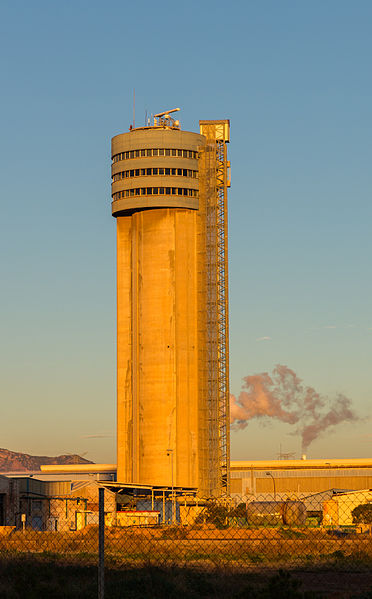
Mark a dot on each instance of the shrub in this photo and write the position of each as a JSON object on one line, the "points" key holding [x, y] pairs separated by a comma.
{"points": [[240, 511], [214, 513], [362, 514]]}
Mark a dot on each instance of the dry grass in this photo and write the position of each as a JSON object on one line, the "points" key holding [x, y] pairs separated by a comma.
{"points": [[200, 547]]}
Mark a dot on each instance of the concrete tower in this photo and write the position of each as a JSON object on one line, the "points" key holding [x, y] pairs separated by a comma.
{"points": [[169, 200]]}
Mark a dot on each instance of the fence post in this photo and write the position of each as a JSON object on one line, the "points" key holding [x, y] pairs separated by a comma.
{"points": [[101, 543]]}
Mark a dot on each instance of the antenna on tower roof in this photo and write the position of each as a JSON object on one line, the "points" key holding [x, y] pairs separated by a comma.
{"points": [[134, 108]]}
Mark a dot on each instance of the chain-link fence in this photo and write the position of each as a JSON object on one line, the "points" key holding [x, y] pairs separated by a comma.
{"points": [[325, 532]]}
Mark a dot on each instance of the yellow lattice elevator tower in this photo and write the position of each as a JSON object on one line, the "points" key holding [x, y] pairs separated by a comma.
{"points": [[169, 192]]}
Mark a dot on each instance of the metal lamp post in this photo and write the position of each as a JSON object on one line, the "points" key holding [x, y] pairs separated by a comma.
{"points": [[269, 474]]}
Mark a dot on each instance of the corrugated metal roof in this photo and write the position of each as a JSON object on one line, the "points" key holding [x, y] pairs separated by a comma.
{"points": [[302, 473], [300, 464]]}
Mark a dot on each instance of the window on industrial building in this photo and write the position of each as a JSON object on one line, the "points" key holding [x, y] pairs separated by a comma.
{"points": [[154, 152], [181, 191], [155, 171]]}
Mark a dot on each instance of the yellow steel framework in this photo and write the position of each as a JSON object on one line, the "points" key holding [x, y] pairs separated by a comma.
{"points": [[214, 183]]}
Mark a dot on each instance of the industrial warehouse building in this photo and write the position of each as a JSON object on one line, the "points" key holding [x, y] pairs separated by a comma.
{"points": [[51, 505], [299, 477], [57, 500]]}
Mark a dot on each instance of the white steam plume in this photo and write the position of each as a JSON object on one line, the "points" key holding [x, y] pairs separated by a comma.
{"points": [[284, 397]]}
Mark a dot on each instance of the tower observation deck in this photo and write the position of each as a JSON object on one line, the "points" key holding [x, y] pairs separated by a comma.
{"points": [[169, 197]]}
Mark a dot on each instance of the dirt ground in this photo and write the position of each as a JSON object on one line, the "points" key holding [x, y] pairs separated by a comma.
{"points": [[45, 577]]}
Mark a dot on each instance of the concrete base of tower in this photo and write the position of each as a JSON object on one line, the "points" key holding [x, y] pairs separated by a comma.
{"points": [[157, 345]]}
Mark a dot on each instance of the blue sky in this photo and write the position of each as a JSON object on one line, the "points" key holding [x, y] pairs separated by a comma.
{"points": [[294, 78]]}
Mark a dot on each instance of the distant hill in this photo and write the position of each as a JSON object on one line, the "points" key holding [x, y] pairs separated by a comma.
{"points": [[12, 461]]}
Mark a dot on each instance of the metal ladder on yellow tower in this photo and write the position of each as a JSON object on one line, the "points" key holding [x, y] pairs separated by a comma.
{"points": [[215, 182]]}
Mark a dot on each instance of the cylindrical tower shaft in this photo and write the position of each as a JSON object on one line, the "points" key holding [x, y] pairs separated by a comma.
{"points": [[157, 347]]}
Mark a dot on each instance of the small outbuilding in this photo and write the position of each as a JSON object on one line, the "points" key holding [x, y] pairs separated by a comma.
{"points": [[338, 510]]}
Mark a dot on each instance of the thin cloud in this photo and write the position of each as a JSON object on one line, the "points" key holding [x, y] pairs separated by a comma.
{"points": [[330, 326], [263, 339], [97, 436]]}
